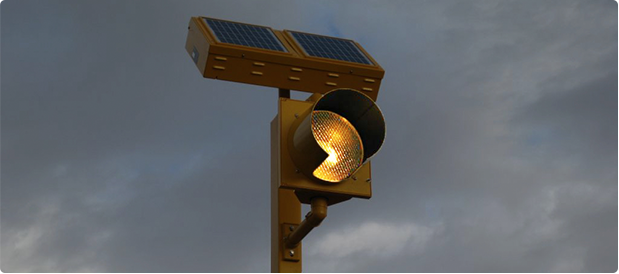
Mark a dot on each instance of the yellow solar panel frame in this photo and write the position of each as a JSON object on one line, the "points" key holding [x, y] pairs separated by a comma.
{"points": [[293, 70]]}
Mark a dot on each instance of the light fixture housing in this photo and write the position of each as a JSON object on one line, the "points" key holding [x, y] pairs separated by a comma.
{"points": [[337, 136]]}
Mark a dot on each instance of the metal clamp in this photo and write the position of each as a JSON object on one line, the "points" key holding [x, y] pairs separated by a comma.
{"points": [[290, 254]]}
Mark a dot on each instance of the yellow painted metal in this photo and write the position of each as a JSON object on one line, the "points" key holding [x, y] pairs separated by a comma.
{"points": [[289, 188], [285, 209], [359, 185], [290, 253], [292, 70], [312, 220]]}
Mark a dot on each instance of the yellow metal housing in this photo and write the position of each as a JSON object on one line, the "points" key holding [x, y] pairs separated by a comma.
{"points": [[298, 177], [292, 70], [290, 177], [285, 212]]}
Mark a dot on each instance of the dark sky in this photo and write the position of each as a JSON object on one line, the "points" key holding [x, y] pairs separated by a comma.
{"points": [[500, 156]]}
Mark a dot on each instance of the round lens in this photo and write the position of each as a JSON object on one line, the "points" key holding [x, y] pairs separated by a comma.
{"points": [[338, 138]]}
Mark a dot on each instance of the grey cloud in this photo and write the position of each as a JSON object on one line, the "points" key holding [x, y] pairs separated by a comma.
{"points": [[117, 156]]}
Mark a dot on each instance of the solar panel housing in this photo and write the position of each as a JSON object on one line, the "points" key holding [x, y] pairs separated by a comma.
{"points": [[244, 35], [330, 47], [285, 59]]}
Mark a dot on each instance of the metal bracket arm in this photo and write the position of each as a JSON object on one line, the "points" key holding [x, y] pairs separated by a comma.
{"points": [[312, 219]]}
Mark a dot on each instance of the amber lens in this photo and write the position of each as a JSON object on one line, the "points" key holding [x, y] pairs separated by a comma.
{"points": [[338, 138]]}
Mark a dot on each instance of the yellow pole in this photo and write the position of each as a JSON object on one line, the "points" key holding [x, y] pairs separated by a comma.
{"points": [[285, 208]]}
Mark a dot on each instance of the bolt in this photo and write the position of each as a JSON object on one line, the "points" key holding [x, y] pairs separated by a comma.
{"points": [[296, 171], [296, 115], [291, 228], [291, 252], [243, 55]]}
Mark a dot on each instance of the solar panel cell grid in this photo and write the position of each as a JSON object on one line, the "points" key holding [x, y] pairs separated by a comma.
{"points": [[244, 35], [331, 48]]}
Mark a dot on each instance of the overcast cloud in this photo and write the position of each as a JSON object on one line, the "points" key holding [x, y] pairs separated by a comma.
{"points": [[501, 150]]}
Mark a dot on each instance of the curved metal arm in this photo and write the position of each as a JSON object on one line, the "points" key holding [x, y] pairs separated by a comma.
{"points": [[312, 219]]}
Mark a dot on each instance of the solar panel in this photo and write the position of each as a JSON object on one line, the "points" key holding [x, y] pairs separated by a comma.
{"points": [[330, 47], [244, 35]]}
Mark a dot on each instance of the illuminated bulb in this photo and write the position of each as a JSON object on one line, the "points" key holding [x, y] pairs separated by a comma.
{"points": [[340, 140], [332, 159]]}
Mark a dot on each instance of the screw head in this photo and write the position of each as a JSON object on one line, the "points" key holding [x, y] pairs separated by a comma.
{"points": [[291, 252], [291, 228], [368, 180], [296, 115], [354, 177]]}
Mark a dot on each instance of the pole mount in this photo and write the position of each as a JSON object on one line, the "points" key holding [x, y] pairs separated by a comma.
{"points": [[290, 254]]}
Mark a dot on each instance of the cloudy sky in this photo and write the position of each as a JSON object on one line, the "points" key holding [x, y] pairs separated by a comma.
{"points": [[501, 149]]}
